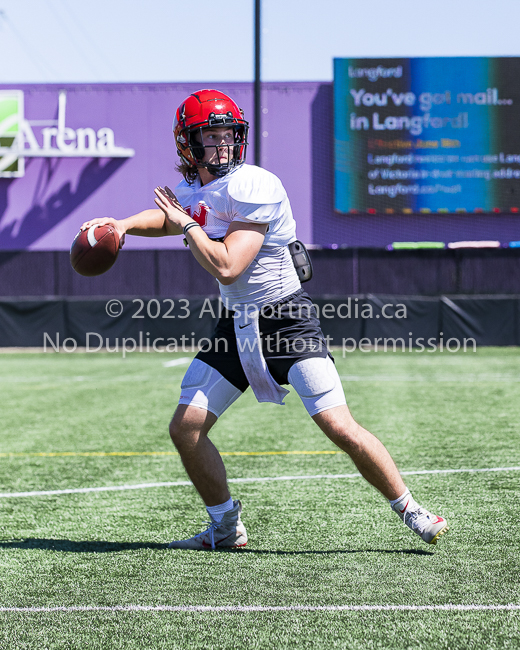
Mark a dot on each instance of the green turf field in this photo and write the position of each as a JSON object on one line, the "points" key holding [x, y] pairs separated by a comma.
{"points": [[91, 421]]}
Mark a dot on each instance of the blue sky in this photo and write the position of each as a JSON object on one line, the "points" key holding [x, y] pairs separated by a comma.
{"points": [[168, 40]]}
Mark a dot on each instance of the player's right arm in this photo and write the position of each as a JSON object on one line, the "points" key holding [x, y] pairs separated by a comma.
{"points": [[149, 223]]}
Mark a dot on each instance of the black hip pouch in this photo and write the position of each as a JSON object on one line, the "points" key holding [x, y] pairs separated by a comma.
{"points": [[301, 260]]}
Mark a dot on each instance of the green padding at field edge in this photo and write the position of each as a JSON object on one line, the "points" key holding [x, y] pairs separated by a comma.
{"points": [[414, 245]]}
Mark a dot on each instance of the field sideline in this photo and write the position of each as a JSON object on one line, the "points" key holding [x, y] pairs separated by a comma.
{"points": [[91, 492]]}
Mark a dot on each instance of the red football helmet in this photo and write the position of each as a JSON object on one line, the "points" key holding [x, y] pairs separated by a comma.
{"points": [[203, 109]]}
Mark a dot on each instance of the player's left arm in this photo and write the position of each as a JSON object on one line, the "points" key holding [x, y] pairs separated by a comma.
{"points": [[225, 260]]}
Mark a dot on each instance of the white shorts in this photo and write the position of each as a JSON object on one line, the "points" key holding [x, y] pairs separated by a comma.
{"points": [[316, 381]]}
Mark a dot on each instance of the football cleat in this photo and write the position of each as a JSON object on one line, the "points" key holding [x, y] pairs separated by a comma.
{"points": [[229, 532], [429, 527]]}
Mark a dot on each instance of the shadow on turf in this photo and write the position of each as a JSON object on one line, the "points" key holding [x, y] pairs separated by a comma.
{"points": [[405, 551], [69, 546]]}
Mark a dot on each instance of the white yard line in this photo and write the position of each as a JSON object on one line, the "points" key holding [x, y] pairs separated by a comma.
{"points": [[262, 608], [143, 486], [460, 379], [177, 362]]}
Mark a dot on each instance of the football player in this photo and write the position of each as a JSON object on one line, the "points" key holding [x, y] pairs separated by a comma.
{"points": [[237, 221]]}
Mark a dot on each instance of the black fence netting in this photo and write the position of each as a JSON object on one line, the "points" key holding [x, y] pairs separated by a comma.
{"points": [[184, 325]]}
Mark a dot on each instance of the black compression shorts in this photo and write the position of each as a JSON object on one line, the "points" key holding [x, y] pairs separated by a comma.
{"points": [[290, 331]]}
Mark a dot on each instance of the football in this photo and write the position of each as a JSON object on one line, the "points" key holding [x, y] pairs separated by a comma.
{"points": [[94, 250]]}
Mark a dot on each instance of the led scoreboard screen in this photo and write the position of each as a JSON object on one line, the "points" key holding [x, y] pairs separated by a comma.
{"points": [[427, 135]]}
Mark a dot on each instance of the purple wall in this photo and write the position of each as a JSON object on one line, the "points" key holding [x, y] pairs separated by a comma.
{"points": [[43, 210]]}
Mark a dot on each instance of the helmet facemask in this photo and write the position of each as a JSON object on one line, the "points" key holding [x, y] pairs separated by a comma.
{"points": [[236, 152]]}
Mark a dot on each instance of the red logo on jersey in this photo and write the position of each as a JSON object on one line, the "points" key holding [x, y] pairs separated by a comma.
{"points": [[200, 215]]}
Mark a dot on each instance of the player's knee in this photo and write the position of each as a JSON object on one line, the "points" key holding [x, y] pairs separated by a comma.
{"points": [[346, 434], [183, 428], [339, 425], [189, 424], [177, 431]]}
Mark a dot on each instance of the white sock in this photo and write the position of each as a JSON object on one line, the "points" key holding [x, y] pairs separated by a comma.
{"points": [[217, 512], [405, 501]]}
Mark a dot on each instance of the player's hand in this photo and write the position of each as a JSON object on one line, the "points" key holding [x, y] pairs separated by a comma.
{"points": [[107, 221], [175, 214]]}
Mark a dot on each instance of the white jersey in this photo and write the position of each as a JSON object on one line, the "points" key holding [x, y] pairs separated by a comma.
{"points": [[252, 195]]}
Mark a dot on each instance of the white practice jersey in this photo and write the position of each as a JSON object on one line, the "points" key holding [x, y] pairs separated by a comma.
{"points": [[252, 195]]}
